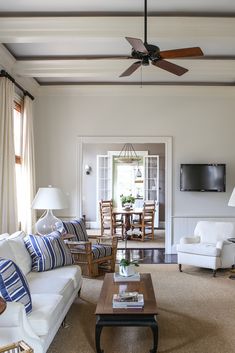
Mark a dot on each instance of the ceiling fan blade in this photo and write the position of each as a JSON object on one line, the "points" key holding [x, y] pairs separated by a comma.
{"points": [[180, 53], [137, 45], [173, 68], [131, 69]]}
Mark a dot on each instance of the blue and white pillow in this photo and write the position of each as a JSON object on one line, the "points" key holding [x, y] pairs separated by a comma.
{"points": [[47, 251], [13, 284], [76, 227]]}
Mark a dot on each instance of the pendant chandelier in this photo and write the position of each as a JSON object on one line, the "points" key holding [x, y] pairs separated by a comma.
{"points": [[128, 154]]}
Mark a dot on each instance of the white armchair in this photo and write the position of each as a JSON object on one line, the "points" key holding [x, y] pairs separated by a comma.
{"points": [[208, 247]]}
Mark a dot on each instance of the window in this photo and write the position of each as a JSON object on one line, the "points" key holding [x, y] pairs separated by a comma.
{"points": [[18, 140]]}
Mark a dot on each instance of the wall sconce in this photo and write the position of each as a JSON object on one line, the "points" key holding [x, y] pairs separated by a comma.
{"points": [[87, 169]]}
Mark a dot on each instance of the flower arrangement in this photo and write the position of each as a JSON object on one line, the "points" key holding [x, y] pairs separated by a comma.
{"points": [[127, 199]]}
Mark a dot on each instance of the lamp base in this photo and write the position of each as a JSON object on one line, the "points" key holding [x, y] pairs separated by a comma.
{"points": [[48, 223]]}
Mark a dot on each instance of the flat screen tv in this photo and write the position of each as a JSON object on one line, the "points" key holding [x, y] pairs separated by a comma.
{"points": [[202, 177]]}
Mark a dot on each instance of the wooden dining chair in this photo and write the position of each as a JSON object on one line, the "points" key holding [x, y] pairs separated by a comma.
{"points": [[110, 222], [144, 229]]}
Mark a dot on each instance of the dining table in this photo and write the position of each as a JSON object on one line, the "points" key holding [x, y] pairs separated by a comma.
{"points": [[127, 213]]}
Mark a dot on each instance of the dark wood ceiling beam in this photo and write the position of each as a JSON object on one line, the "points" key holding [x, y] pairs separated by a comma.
{"points": [[113, 57], [210, 14], [194, 84]]}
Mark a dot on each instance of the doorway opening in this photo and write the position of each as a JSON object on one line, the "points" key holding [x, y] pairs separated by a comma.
{"points": [[87, 187]]}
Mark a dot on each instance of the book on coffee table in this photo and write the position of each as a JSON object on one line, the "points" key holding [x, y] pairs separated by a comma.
{"points": [[128, 300], [119, 278]]}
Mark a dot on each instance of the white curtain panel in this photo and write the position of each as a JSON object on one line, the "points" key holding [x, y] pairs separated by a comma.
{"points": [[8, 205], [28, 168]]}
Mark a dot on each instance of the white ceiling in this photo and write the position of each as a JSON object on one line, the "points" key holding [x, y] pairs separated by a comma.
{"points": [[55, 41]]}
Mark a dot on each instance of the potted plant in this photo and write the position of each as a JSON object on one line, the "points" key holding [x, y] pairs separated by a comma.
{"points": [[129, 199], [127, 268]]}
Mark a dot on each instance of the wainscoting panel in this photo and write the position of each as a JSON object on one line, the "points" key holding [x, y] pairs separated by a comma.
{"points": [[184, 226]]}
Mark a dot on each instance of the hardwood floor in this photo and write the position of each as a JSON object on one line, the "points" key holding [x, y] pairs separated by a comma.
{"points": [[148, 252], [147, 256]]}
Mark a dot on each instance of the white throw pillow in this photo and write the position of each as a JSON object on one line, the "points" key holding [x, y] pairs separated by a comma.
{"points": [[4, 236], [5, 250], [23, 259]]}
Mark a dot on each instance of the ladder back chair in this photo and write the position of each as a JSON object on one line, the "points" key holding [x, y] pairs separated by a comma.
{"points": [[145, 226], [109, 222]]}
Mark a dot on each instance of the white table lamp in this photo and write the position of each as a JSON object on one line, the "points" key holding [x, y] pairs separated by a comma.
{"points": [[49, 199]]}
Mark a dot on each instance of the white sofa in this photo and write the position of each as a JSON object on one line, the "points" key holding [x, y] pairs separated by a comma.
{"points": [[52, 294], [208, 247]]}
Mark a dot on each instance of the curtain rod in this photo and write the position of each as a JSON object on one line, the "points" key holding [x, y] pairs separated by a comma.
{"points": [[3, 73]]}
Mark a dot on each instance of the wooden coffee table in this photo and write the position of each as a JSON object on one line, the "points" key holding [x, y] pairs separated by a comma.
{"points": [[107, 316]]}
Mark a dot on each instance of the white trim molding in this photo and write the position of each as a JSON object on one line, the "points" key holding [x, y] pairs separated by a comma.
{"points": [[167, 140]]}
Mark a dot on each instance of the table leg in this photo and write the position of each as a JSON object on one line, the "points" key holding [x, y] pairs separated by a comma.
{"points": [[154, 328], [98, 329]]}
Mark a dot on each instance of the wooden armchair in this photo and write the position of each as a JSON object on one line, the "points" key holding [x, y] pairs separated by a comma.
{"points": [[91, 257]]}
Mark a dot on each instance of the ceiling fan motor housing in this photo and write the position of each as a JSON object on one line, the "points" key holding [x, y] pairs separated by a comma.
{"points": [[153, 53]]}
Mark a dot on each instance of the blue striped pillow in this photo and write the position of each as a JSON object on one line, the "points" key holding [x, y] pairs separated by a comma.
{"points": [[13, 284], [47, 251], [76, 227]]}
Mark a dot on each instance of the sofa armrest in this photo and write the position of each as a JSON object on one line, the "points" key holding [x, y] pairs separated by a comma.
{"points": [[15, 316], [190, 240]]}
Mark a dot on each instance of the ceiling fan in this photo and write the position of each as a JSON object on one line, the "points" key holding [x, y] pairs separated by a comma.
{"points": [[146, 53]]}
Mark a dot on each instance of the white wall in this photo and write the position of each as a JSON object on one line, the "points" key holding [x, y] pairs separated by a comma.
{"points": [[200, 120]]}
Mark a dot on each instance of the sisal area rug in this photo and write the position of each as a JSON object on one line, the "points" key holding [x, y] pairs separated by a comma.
{"points": [[196, 315]]}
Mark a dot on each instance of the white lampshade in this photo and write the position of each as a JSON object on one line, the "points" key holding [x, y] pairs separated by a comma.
{"points": [[232, 199], [49, 199]]}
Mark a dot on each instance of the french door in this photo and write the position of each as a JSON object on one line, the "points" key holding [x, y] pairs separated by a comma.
{"points": [[105, 182], [151, 183]]}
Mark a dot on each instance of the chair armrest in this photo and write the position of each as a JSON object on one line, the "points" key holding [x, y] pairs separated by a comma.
{"points": [[75, 242], [94, 236], [190, 240], [221, 243], [68, 236]]}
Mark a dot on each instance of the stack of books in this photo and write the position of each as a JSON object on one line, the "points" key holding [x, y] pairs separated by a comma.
{"points": [[131, 300], [119, 278]]}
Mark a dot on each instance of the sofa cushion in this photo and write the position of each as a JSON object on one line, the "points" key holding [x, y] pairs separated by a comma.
{"points": [[47, 310], [13, 284], [101, 250], [72, 272], [6, 251], [76, 227], [39, 283], [47, 251], [199, 249], [20, 252]]}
